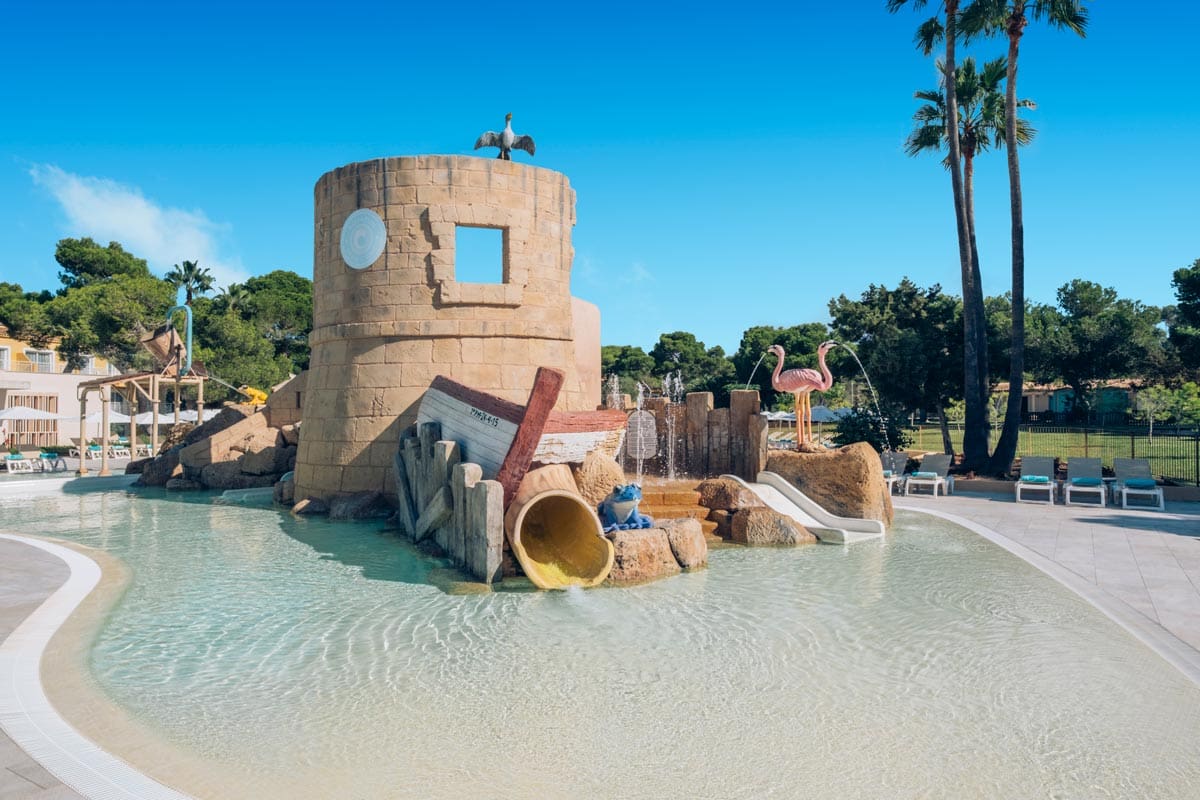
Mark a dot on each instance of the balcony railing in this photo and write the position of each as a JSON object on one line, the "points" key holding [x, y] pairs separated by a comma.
{"points": [[52, 369]]}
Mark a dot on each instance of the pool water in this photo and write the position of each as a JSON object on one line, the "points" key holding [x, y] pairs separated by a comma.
{"points": [[328, 660]]}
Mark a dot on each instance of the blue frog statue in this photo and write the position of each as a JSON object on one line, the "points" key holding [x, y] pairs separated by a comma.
{"points": [[619, 511]]}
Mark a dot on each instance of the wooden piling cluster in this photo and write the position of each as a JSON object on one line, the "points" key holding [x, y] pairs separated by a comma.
{"points": [[709, 441], [443, 498]]}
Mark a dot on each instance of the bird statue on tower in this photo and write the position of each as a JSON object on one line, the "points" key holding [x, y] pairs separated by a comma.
{"points": [[506, 140]]}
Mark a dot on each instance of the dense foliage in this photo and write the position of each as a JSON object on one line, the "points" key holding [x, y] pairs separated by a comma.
{"points": [[255, 333]]}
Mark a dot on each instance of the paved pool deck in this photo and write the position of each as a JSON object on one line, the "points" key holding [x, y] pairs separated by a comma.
{"points": [[1146, 564]]}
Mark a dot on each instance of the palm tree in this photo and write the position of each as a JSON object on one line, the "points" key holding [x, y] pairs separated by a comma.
{"points": [[235, 295], [975, 388], [987, 18], [192, 277], [981, 116]]}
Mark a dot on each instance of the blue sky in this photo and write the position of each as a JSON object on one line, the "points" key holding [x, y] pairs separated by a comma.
{"points": [[732, 169]]}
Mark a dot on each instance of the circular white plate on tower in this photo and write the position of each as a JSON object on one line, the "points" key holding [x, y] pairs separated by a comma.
{"points": [[363, 238]]}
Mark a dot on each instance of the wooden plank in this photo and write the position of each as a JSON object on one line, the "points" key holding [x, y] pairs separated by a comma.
{"points": [[411, 449], [440, 506], [546, 385], [718, 442], [492, 503], [699, 404], [743, 404], [405, 513], [441, 470], [758, 445]]}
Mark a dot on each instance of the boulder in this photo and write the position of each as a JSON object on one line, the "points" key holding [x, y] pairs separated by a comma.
{"points": [[597, 476], [847, 481], [285, 491], [641, 555], [227, 417], [229, 475], [727, 494], [183, 485], [765, 526], [688, 545], [724, 519], [268, 461], [136, 467], [360, 505], [157, 471], [310, 506], [290, 434], [175, 436]]}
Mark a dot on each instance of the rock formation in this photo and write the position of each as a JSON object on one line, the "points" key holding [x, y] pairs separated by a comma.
{"points": [[847, 481]]}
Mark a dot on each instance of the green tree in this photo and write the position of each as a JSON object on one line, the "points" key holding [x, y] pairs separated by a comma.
{"points": [[907, 339], [84, 262], [1185, 321], [1099, 336], [280, 305], [1010, 18], [800, 344], [233, 297], [234, 350], [194, 279], [703, 369], [943, 27], [107, 318], [24, 314], [630, 364]]}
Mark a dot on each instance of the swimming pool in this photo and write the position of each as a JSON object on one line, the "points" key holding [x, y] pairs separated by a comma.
{"points": [[302, 658]]}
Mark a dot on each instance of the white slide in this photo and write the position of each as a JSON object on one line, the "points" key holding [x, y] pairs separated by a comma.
{"points": [[780, 495]]}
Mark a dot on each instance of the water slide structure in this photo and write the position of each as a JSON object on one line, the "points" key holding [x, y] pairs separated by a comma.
{"points": [[780, 495]]}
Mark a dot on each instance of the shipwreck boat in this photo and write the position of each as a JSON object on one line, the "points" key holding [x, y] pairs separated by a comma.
{"points": [[486, 427]]}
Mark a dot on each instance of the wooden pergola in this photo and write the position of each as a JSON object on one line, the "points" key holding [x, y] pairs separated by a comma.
{"points": [[165, 345]]}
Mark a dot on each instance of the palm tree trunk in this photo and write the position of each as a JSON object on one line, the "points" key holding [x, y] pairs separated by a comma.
{"points": [[1006, 447], [977, 313], [944, 424], [975, 432]]}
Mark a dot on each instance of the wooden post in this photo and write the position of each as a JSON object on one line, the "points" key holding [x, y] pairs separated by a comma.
{"points": [[155, 398], [718, 442], [546, 385], [743, 404], [105, 400], [699, 404], [83, 440]]}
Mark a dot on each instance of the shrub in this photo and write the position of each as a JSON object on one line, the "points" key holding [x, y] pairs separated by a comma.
{"points": [[864, 425]]}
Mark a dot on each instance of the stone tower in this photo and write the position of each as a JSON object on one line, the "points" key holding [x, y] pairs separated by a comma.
{"points": [[389, 314]]}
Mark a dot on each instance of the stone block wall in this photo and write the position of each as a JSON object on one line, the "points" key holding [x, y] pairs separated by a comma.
{"points": [[381, 333]]}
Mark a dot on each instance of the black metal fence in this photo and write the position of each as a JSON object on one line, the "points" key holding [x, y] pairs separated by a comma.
{"points": [[1173, 455]]}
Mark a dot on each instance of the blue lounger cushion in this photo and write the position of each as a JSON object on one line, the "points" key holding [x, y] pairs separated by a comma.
{"points": [[924, 474], [1035, 479], [1086, 481], [1140, 483], [887, 473]]}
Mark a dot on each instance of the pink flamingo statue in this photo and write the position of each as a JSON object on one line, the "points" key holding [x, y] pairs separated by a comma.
{"points": [[800, 382]]}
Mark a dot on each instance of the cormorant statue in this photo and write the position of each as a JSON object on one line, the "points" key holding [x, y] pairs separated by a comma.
{"points": [[506, 140]]}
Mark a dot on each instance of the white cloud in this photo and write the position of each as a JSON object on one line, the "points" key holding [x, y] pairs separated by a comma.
{"points": [[109, 211], [637, 274]]}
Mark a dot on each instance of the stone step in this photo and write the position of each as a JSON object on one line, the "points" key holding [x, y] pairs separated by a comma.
{"points": [[672, 497], [681, 512]]}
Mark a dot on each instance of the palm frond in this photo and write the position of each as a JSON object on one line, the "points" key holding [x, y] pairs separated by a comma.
{"points": [[929, 35], [1068, 14], [983, 18]]}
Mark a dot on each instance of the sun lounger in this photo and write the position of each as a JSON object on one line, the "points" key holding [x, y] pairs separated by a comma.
{"points": [[1084, 477], [894, 465], [17, 463], [1037, 477], [1134, 478], [932, 474]]}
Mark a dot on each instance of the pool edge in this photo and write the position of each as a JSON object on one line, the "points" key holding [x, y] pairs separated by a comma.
{"points": [[28, 717], [1167, 645]]}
